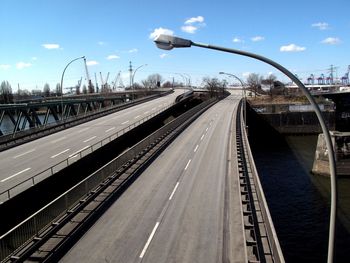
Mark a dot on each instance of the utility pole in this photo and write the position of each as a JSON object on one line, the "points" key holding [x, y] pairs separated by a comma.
{"points": [[130, 71], [131, 85], [97, 89]]}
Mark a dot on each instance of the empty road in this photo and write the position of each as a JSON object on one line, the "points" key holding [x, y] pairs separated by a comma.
{"points": [[185, 207], [26, 160]]}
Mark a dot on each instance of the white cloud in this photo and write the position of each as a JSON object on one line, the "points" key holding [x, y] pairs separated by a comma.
{"points": [[51, 46], [198, 19], [91, 63], [110, 57], [163, 55], [101, 43], [160, 31], [246, 74], [34, 58], [292, 48], [193, 24], [22, 65], [321, 25], [257, 38], [4, 66], [331, 41], [189, 29], [134, 50], [237, 40]]}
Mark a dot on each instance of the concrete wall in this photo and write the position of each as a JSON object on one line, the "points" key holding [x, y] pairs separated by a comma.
{"points": [[295, 118], [341, 145]]}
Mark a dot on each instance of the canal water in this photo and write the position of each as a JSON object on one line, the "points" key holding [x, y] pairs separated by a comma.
{"points": [[7, 126], [298, 200]]}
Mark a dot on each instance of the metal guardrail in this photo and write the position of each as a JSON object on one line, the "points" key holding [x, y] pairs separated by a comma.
{"points": [[16, 189], [289, 107], [270, 229], [24, 232]]}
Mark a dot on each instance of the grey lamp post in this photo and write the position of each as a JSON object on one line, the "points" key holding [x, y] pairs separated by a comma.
{"points": [[189, 80], [182, 76], [83, 57], [133, 76], [243, 91], [169, 42]]}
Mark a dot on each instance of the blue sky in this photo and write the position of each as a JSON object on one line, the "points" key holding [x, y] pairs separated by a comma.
{"points": [[38, 38]]}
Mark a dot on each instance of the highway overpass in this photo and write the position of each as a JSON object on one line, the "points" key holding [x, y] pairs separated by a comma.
{"points": [[200, 200]]}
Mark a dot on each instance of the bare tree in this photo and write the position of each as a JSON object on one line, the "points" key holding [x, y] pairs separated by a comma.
{"points": [[46, 90], [6, 95], [167, 84], [254, 82], [58, 89], [152, 81], [214, 86]]}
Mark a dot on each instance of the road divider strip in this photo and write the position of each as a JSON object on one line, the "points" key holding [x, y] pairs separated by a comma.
{"points": [[149, 240], [173, 192], [54, 156], [8, 178], [91, 138], [19, 155]]}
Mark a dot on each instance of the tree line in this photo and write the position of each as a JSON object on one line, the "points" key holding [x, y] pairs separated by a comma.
{"points": [[213, 85]]}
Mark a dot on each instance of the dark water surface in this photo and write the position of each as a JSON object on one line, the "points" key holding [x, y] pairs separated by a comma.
{"points": [[298, 200]]}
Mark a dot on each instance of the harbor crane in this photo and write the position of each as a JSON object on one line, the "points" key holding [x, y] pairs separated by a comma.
{"points": [[90, 86], [311, 79], [104, 85], [345, 78], [116, 80]]}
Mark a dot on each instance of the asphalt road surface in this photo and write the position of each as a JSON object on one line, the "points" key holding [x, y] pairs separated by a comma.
{"points": [[185, 207], [24, 161]]}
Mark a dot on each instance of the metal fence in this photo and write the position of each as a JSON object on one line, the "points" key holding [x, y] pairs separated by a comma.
{"points": [[39, 221], [11, 139], [14, 190]]}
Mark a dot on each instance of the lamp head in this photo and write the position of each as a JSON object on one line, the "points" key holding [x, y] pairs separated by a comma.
{"points": [[168, 42]]}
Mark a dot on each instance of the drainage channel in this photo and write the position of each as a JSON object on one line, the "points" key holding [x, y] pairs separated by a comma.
{"points": [[51, 242]]}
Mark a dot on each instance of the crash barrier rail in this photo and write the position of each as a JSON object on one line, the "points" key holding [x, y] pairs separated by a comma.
{"points": [[33, 226], [275, 247]]}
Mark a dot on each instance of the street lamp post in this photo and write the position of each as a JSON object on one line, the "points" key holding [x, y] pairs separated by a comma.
{"points": [[182, 76], [83, 57], [243, 95], [169, 42], [133, 76], [189, 80]]}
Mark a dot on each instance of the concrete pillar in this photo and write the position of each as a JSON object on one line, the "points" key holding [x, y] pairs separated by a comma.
{"points": [[341, 145]]}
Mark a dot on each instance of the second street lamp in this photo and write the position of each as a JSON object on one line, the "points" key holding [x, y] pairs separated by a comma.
{"points": [[243, 95], [168, 42], [83, 57], [133, 76]]}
